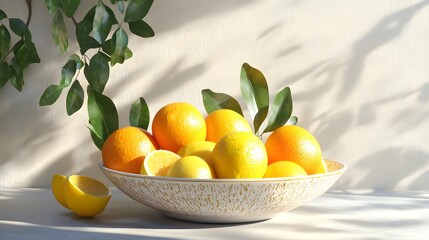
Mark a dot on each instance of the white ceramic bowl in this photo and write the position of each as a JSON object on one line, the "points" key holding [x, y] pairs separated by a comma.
{"points": [[224, 200]]}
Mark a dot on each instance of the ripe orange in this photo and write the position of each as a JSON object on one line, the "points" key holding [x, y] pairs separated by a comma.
{"points": [[284, 169], [240, 155], [295, 144], [126, 148], [223, 121], [177, 124]]}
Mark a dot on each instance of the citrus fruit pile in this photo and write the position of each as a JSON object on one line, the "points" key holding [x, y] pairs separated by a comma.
{"points": [[185, 144]]}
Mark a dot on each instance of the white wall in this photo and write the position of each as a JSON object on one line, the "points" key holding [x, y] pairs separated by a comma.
{"points": [[358, 71]]}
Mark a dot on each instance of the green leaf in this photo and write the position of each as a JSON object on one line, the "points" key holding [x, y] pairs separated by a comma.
{"points": [[259, 118], [52, 5], [79, 63], [98, 141], [2, 15], [254, 89], [19, 28], [293, 120], [139, 114], [16, 78], [4, 74], [121, 42], [50, 96], [141, 28], [103, 116], [101, 25], [25, 54], [97, 72], [4, 41], [59, 31], [281, 110], [137, 9], [214, 101], [83, 29], [112, 16], [67, 73], [128, 53], [121, 6], [74, 98], [69, 7]]}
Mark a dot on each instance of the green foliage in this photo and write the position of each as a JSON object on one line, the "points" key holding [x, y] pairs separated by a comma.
{"points": [[92, 32], [139, 114], [15, 57], [214, 101], [255, 92]]}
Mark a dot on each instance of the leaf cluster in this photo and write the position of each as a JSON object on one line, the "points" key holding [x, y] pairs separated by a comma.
{"points": [[255, 92], [106, 37], [15, 57]]}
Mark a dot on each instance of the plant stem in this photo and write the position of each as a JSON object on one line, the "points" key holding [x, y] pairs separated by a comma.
{"points": [[30, 10], [74, 20]]}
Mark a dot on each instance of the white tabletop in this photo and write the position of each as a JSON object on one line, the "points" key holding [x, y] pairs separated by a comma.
{"points": [[34, 214]]}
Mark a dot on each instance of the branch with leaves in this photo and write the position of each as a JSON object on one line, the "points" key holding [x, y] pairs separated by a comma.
{"points": [[254, 90], [97, 53]]}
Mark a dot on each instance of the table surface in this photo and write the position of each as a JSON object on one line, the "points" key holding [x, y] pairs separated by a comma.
{"points": [[34, 214]]}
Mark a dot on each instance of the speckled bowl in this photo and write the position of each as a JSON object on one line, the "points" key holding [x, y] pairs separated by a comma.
{"points": [[224, 200]]}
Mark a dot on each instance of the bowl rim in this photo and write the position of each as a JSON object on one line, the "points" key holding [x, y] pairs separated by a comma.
{"points": [[223, 180]]}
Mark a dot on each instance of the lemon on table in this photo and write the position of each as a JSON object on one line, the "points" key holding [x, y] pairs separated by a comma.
{"points": [[158, 162], [295, 144], [86, 196], [284, 169], [202, 149], [190, 167], [240, 155], [223, 121], [58, 184]]}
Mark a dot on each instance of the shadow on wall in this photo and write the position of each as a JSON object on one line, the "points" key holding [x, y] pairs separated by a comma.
{"points": [[385, 31], [184, 12], [394, 168]]}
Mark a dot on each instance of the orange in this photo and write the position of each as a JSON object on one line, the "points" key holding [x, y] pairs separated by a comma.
{"points": [[126, 148], [284, 169], [240, 155], [295, 144], [177, 124], [223, 121]]}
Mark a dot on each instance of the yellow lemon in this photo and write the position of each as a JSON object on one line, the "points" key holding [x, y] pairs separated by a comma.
{"points": [[190, 167], [240, 155], [158, 162], [202, 149], [58, 183], [284, 169], [223, 121], [86, 196]]}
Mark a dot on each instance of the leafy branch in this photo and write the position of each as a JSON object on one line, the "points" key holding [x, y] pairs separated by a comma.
{"points": [[97, 54], [255, 92]]}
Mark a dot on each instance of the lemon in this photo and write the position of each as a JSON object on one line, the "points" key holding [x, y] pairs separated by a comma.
{"points": [[158, 162], [202, 149], [223, 121], [240, 155], [284, 169], [58, 183], [190, 167], [86, 196]]}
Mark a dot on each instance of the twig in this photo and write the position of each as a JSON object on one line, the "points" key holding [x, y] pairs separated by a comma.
{"points": [[74, 20], [30, 10]]}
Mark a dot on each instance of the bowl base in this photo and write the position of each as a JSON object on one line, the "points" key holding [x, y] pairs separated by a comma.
{"points": [[216, 219]]}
